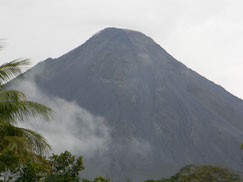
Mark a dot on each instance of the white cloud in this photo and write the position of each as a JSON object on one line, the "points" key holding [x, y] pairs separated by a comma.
{"points": [[73, 128]]}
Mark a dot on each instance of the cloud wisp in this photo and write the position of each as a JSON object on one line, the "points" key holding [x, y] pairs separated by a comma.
{"points": [[73, 128]]}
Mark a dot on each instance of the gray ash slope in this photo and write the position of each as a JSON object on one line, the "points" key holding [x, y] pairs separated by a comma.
{"points": [[162, 114]]}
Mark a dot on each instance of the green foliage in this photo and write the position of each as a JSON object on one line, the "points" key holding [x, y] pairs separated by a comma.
{"points": [[97, 179], [58, 168], [12, 69], [65, 167], [32, 171], [13, 167], [208, 173], [101, 179], [21, 140], [204, 173], [14, 106], [9, 164], [18, 145]]}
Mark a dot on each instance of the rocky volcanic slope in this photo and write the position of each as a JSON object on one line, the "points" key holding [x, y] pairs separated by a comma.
{"points": [[162, 114]]}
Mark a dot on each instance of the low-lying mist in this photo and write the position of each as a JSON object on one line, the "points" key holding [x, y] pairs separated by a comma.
{"points": [[72, 127]]}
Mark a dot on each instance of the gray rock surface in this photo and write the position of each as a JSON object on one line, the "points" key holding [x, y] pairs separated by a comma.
{"points": [[162, 114]]}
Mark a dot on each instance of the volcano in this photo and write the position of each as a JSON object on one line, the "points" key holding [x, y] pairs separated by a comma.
{"points": [[161, 114]]}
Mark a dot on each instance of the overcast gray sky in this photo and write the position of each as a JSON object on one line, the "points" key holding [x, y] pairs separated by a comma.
{"points": [[205, 35]]}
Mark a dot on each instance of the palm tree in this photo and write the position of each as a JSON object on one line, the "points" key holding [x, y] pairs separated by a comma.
{"points": [[14, 107]]}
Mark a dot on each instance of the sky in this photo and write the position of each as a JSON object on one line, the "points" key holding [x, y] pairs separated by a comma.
{"points": [[205, 35]]}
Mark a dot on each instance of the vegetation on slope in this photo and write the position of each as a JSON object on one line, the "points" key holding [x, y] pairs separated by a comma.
{"points": [[203, 173]]}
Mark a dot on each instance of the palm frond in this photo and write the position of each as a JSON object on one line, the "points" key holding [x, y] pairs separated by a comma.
{"points": [[32, 109], [12, 69], [14, 106], [39, 143], [11, 95], [22, 140]]}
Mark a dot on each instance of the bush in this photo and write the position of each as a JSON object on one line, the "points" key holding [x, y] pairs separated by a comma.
{"points": [[203, 173]]}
